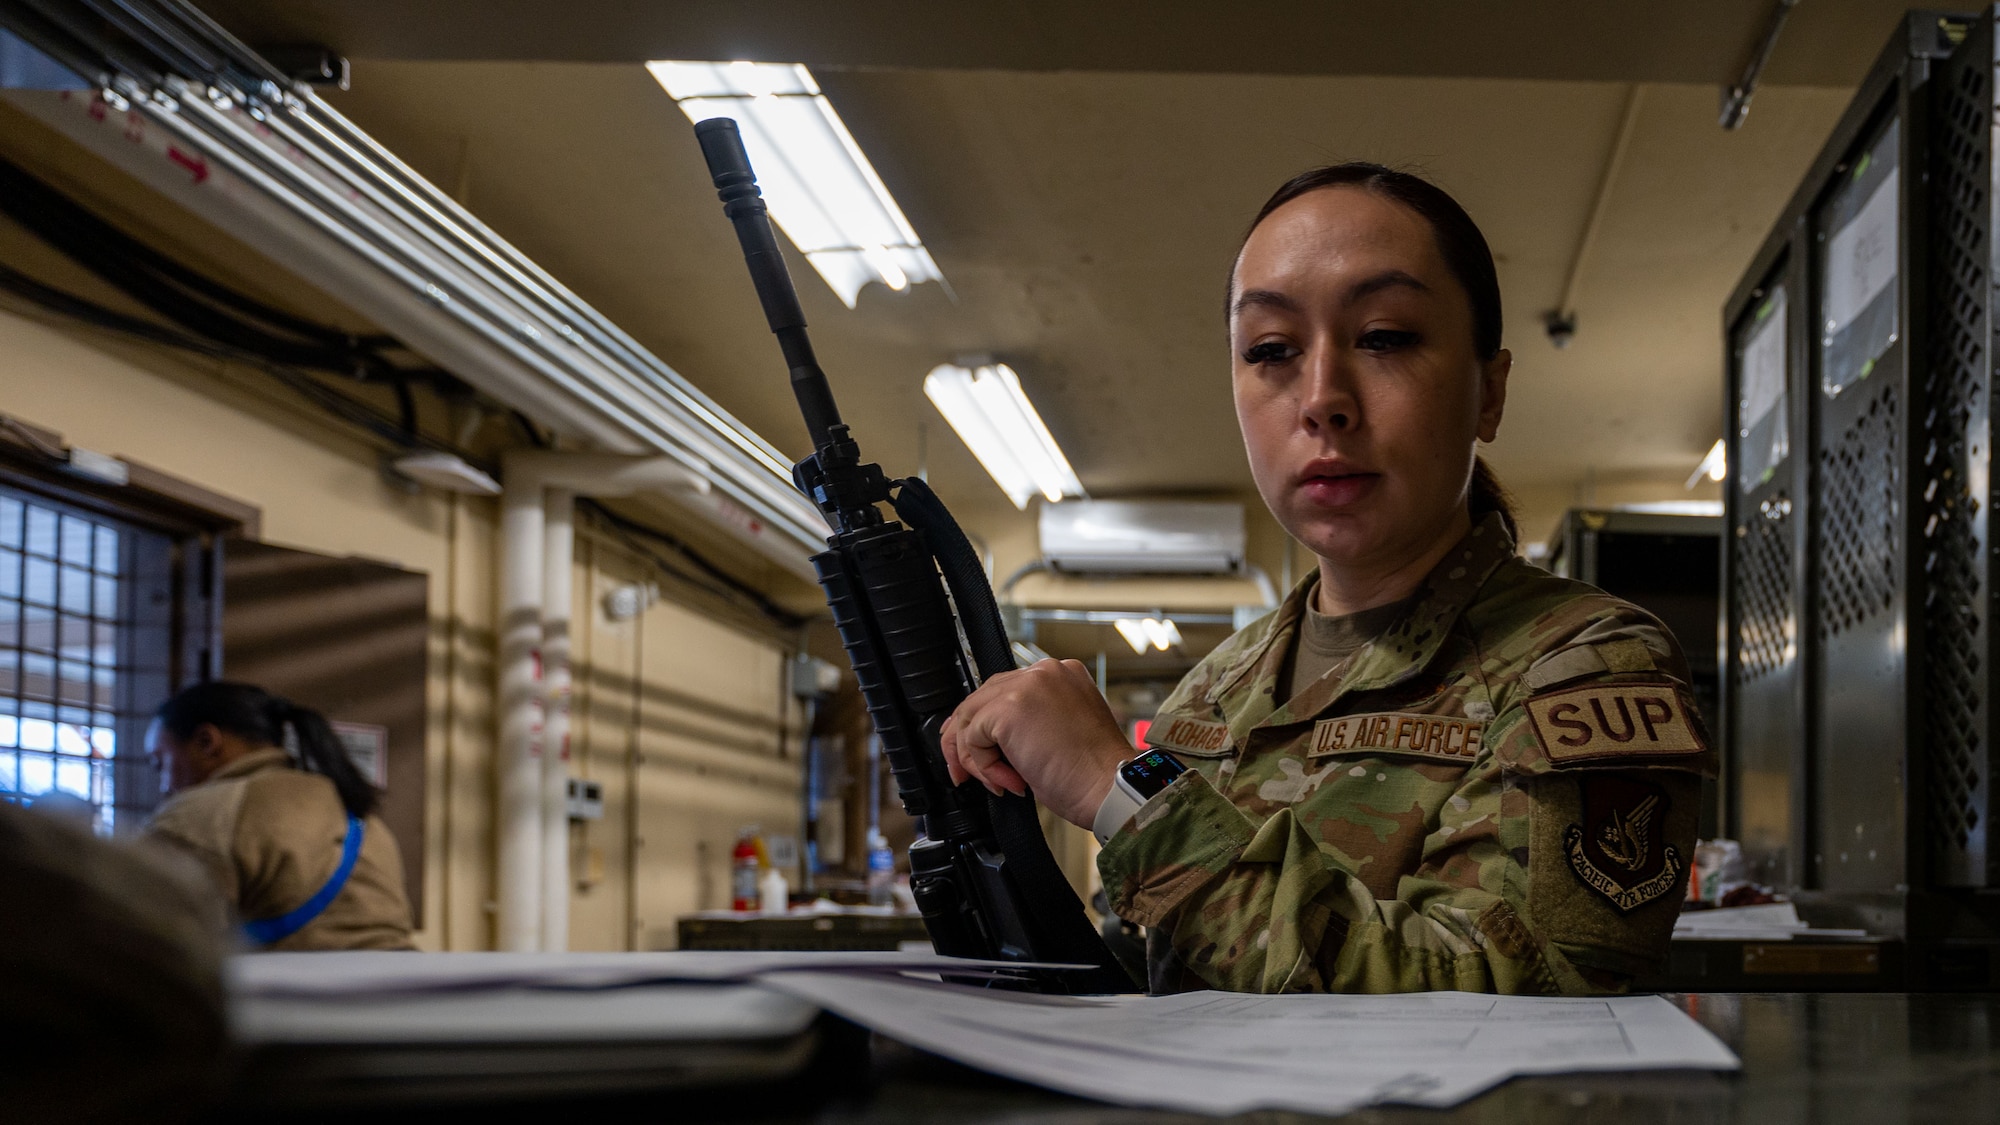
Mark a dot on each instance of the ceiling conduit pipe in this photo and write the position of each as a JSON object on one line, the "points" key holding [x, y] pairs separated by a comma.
{"points": [[537, 547], [214, 127]]}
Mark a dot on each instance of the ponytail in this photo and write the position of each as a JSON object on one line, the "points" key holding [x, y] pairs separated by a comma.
{"points": [[1487, 494], [320, 751], [261, 719]]}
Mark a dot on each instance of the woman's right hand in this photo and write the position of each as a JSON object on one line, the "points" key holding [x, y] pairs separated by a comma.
{"points": [[1045, 727]]}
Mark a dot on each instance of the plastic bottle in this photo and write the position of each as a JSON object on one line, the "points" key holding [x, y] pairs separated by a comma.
{"points": [[775, 892], [743, 871], [881, 869]]}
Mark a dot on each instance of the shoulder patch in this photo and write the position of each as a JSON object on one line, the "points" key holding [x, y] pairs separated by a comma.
{"points": [[1191, 736], [1439, 737], [1620, 850], [1622, 722]]}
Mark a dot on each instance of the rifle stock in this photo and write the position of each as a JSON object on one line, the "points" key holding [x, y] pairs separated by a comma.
{"points": [[980, 869]]}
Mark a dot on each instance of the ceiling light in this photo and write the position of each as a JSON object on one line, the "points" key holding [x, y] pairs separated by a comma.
{"points": [[446, 472], [1143, 633], [1715, 466], [1133, 629], [820, 188], [997, 422]]}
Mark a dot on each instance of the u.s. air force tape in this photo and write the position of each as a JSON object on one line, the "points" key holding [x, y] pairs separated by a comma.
{"points": [[1614, 721], [1439, 737]]}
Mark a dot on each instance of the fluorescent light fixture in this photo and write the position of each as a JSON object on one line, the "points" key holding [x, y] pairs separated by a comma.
{"points": [[1134, 632], [821, 189], [997, 422], [1715, 466], [1674, 507], [1143, 633], [446, 472]]}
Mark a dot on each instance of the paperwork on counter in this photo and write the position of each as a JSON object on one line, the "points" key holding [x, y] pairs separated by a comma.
{"points": [[349, 1030], [1205, 1052], [1770, 921], [408, 974], [1226, 1053]]}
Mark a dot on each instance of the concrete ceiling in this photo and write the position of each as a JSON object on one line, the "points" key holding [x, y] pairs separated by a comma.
{"points": [[1086, 223], [1705, 42]]}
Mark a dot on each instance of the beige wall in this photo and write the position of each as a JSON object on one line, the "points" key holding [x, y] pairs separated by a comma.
{"points": [[682, 717]]}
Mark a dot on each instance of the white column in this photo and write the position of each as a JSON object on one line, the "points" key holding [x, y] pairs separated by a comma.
{"points": [[517, 758], [533, 815], [559, 538]]}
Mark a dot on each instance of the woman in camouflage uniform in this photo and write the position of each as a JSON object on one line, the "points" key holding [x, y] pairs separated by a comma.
{"points": [[1435, 766]]}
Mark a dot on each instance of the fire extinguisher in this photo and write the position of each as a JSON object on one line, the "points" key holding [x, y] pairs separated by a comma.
{"points": [[743, 871]]}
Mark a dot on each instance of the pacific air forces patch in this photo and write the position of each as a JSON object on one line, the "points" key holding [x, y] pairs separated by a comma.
{"points": [[1620, 849]]}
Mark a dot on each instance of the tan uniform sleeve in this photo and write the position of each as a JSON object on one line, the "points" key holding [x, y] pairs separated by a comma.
{"points": [[201, 823]]}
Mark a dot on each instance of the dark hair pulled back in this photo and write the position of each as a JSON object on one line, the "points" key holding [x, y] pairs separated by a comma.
{"points": [[1465, 254], [258, 717]]}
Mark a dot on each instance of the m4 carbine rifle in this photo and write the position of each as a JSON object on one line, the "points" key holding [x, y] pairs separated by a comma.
{"points": [[980, 869]]}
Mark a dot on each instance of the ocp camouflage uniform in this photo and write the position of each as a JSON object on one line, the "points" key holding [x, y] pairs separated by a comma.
{"points": [[1498, 794]]}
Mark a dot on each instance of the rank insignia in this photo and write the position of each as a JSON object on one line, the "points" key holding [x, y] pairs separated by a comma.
{"points": [[1618, 851]]}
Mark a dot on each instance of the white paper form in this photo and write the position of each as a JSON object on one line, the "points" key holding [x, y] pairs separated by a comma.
{"points": [[1225, 1053], [352, 974], [471, 998], [1861, 258], [1763, 362], [1772, 921]]}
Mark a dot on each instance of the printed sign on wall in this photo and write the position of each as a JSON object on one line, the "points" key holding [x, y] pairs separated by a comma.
{"points": [[368, 748]]}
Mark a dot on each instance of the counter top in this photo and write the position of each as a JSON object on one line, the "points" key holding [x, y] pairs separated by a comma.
{"points": [[1866, 1058]]}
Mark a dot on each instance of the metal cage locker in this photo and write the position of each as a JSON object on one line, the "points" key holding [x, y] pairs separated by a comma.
{"points": [[1764, 571], [1859, 658], [1951, 478]]}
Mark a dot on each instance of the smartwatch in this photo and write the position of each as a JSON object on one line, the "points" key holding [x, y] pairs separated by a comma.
{"points": [[1136, 781]]}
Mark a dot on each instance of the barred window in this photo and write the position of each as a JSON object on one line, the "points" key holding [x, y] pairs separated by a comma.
{"points": [[80, 654]]}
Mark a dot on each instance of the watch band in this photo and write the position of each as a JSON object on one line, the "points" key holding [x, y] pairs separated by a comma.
{"points": [[1116, 809]]}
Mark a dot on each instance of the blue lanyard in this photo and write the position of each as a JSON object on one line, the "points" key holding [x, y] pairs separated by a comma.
{"points": [[269, 931]]}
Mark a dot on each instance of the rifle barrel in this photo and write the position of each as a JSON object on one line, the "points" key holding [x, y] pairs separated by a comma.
{"points": [[729, 168]]}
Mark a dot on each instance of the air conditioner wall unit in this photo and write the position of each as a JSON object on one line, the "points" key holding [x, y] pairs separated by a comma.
{"points": [[1142, 537]]}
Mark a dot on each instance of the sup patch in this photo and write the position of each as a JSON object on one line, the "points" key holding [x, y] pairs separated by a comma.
{"points": [[1618, 850], [1615, 721]]}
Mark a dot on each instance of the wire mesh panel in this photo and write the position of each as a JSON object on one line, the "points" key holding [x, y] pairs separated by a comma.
{"points": [[1860, 700], [67, 656], [1860, 528], [1767, 732], [1952, 471], [1766, 724], [1767, 618]]}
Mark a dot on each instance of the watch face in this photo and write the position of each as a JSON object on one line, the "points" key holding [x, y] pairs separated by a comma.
{"points": [[1151, 772]]}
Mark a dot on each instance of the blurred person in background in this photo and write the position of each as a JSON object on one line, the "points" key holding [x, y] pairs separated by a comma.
{"points": [[295, 845]]}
